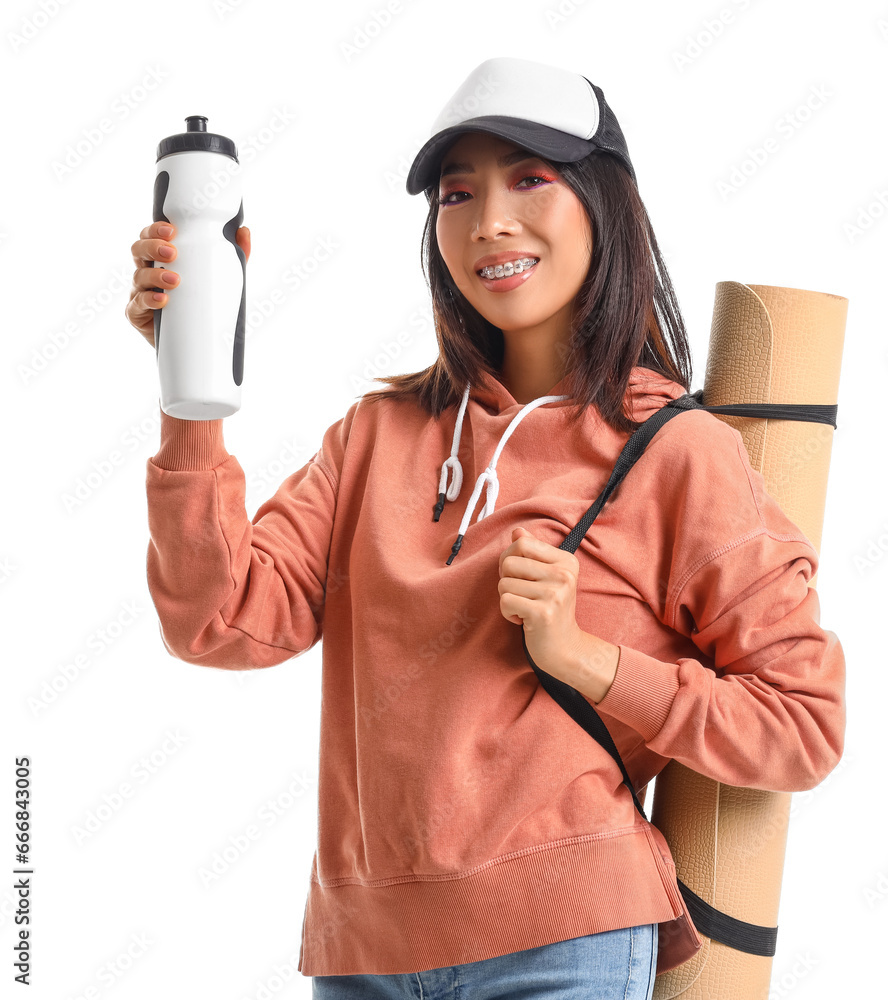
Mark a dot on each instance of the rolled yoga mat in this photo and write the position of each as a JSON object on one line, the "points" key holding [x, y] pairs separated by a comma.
{"points": [[767, 345]]}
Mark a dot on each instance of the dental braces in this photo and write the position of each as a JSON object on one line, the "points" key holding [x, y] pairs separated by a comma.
{"points": [[512, 267]]}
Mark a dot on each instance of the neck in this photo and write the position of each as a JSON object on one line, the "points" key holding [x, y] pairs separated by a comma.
{"points": [[533, 362]]}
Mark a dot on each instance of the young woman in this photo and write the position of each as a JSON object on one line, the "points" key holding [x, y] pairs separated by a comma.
{"points": [[473, 841]]}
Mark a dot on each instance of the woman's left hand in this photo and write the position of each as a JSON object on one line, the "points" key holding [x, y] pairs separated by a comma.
{"points": [[538, 589]]}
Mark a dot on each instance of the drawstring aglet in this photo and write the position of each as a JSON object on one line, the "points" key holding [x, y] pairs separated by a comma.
{"points": [[439, 506], [455, 549]]}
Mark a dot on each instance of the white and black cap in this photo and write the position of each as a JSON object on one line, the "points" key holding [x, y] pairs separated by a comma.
{"points": [[553, 112]]}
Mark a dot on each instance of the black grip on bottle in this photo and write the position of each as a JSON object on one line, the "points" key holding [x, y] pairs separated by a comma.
{"points": [[161, 186], [229, 230]]}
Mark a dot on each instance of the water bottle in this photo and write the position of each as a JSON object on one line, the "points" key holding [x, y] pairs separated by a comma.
{"points": [[199, 333]]}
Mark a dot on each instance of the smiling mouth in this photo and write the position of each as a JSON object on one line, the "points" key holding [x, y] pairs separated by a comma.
{"points": [[508, 269]]}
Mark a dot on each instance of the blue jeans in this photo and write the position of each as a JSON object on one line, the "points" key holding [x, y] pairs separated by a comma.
{"points": [[611, 965]]}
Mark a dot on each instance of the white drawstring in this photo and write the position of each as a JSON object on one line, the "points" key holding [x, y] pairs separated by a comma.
{"points": [[452, 463], [489, 475]]}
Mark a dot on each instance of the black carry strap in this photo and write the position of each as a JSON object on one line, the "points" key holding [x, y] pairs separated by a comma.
{"points": [[738, 934]]}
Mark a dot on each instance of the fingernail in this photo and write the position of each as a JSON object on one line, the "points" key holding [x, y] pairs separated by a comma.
{"points": [[165, 252], [164, 232]]}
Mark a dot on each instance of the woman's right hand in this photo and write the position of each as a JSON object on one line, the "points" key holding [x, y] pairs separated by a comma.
{"points": [[142, 302]]}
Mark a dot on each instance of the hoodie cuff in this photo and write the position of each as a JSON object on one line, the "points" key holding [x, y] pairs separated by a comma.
{"points": [[642, 692], [189, 445]]}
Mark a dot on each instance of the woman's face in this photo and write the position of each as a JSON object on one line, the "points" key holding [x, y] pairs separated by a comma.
{"points": [[512, 210]]}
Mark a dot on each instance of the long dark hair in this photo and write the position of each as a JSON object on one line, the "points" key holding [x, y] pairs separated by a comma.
{"points": [[625, 314]]}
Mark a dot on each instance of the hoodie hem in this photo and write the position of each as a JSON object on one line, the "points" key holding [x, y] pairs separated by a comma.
{"points": [[581, 887]]}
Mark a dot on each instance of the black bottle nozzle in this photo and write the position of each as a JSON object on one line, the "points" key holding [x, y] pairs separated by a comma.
{"points": [[196, 137]]}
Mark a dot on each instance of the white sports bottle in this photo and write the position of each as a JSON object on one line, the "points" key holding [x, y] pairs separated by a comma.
{"points": [[199, 333]]}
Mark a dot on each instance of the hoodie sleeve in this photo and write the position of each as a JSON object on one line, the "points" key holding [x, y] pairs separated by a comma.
{"points": [[231, 592], [767, 709]]}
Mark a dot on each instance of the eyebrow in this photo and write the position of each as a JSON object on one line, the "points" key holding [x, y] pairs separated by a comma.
{"points": [[504, 161]]}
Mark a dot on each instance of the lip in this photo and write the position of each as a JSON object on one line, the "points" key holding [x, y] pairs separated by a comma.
{"points": [[492, 259]]}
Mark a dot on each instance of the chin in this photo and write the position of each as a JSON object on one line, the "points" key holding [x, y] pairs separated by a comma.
{"points": [[515, 318]]}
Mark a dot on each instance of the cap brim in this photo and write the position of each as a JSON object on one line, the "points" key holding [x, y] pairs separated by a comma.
{"points": [[540, 139]]}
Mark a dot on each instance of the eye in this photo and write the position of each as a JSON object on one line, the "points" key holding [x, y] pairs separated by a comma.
{"points": [[444, 199], [544, 179], [537, 177]]}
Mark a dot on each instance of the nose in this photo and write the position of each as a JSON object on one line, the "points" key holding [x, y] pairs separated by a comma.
{"points": [[494, 215]]}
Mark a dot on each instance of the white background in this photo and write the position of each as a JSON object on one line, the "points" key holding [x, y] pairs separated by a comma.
{"points": [[356, 97]]}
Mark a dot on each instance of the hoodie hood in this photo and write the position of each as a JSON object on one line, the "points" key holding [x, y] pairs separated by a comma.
{"points": [[647, 391]]}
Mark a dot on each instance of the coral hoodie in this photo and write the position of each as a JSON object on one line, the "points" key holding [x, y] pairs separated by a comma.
{"points": [[462, 814]]}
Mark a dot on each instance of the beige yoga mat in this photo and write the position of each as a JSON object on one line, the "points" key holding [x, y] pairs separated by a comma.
{"points": [[767, 345]]}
